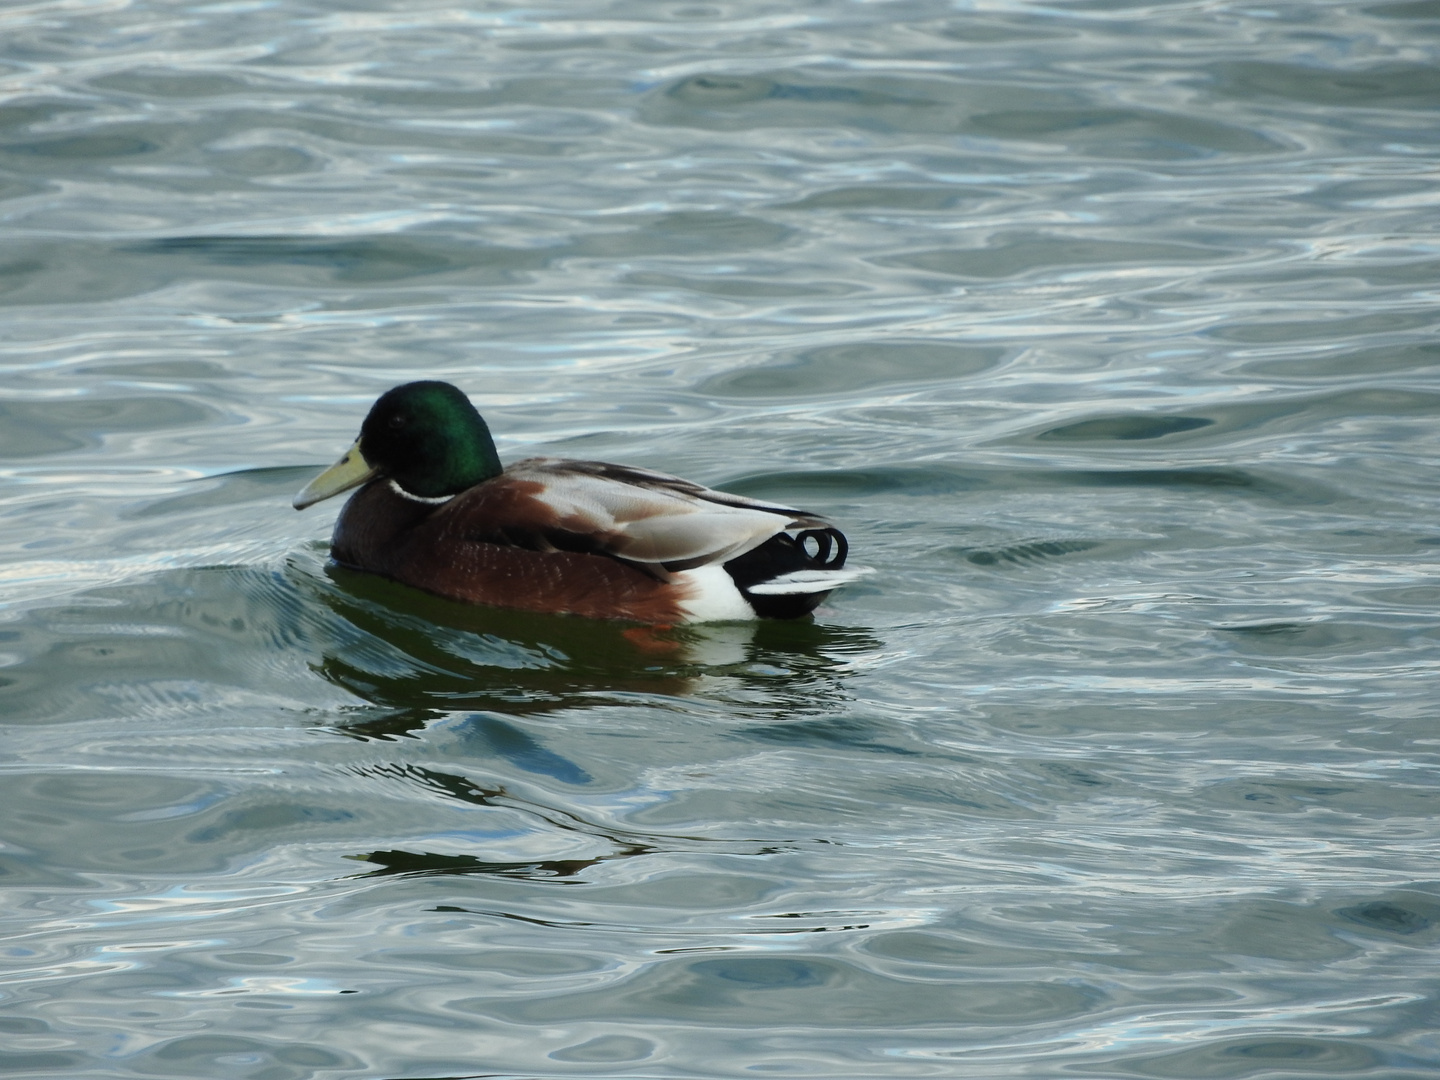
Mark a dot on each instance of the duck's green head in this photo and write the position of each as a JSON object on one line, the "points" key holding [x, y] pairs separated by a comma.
{"points": [[425, 436]]}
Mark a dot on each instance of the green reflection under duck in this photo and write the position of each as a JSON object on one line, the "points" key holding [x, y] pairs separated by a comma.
{"points": [[424, 659], [437, 511]]}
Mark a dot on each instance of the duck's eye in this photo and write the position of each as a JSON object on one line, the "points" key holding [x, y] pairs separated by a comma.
{"points": [[396, 422]]}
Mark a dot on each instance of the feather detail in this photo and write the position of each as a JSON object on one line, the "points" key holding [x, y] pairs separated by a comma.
{"points": [[809, 581], [649, 517]]}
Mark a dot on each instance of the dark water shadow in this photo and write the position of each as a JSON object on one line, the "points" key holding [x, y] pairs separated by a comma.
{"points": [[60, 271], [847, 369], [1229, 424], [1391, 86], [1406, 9], [1026, 552], [609, 841], [430, 864], [421, 658], [615, 843], [1017, 253], [727, 102], [1138, 132], [1123, 428]]}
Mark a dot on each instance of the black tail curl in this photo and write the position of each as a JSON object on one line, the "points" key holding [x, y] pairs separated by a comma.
{"points": [[810, 549], [831, 548]]}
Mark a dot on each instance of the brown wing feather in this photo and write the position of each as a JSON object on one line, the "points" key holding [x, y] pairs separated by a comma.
{"points": [[656, 481], [460, 550], [652, 518]]}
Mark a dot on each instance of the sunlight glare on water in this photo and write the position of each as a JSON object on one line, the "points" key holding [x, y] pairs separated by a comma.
{"points": [[1106, 331]]}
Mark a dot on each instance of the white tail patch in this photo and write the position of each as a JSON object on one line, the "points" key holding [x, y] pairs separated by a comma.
{"points": [[808, 581], [711, 596]]}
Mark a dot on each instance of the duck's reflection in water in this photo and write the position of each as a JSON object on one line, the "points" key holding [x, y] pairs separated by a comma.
{"points": [[617, 844], [427, 664], [420, 657]]}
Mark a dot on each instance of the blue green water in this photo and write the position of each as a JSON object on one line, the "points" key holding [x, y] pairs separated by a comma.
{"points": [[1106, 330]]}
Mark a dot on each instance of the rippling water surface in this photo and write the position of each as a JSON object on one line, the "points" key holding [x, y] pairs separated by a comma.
{"points": [[1106, 329]]}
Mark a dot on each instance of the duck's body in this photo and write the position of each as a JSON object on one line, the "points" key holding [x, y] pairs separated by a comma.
{"points": [[551, 535]]}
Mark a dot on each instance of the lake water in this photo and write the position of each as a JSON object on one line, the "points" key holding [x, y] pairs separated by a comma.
{"points": [[1107, 331]]}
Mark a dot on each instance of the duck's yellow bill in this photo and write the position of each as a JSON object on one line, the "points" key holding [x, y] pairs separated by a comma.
{"points": [[350, 471]]}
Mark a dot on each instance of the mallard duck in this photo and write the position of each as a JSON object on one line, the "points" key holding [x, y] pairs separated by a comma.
{"points": [[438, 512]]}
